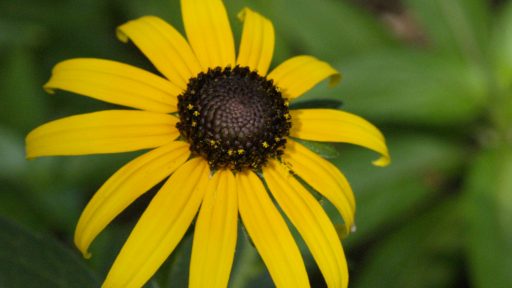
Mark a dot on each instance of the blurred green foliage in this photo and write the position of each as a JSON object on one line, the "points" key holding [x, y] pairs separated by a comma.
{"points": [[32, 260], [435, 76]]}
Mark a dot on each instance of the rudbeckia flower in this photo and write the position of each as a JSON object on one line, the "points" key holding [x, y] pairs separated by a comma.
{"points": [[223, 140]]}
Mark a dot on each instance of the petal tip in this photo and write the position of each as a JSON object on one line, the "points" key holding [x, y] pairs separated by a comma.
{"points": [[243, 13], [121, 35], [82, 246], [335, 79], [48, 88], [28, 156], [382, 161], [29, 153], [86, 254]]}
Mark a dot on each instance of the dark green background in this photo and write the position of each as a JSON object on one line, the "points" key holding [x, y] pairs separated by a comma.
{"points": [[434, 75]]}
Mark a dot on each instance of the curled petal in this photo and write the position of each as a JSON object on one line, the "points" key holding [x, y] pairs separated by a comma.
{"points": [[338, 126], [299, 74]]}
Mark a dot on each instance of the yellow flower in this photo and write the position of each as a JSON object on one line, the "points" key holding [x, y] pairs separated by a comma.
{"points": [[208, 106]]}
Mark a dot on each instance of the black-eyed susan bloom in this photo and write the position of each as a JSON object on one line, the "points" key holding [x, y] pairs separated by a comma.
{"points": [[219, 128]]}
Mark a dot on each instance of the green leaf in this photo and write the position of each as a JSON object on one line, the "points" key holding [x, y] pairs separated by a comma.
{"points": [[31, 260], [248, 268], [413, 155], [317, 103], [12, 154], [456, 26], [17, 203], [502, 45], [384, 209], [326, 150], [109, 242], [13, 34], [326, 28], [421, 167], [176, 271], [170, 11], [424, 253], [402, 86], [489, 216], [22, 96]]}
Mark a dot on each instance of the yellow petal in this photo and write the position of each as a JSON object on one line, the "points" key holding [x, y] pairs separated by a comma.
{"points": [[115, 83], [126, 185], [209, 33], [164, 46], [269, 233], [215, 233], [161, 226], [257, 45], [313, 224], [299, 74], [102, 132], [323, 177], [338, 126]]}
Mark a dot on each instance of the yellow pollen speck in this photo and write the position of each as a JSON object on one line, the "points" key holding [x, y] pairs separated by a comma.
{"points": [[287, 116], [190, 107], [196, 113], [212, 142], [194, 123], [287, 103], [277, 139], [265, 144], [230, 152], [241, 151]]}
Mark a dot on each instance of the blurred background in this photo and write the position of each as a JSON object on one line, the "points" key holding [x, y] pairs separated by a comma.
{"points": [[434, 75]]}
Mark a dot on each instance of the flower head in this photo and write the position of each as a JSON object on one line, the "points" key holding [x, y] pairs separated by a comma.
{"points": [[219, 127]]}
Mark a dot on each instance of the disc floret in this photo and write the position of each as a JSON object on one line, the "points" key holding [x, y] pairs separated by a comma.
{"points": [[234, 118]]}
